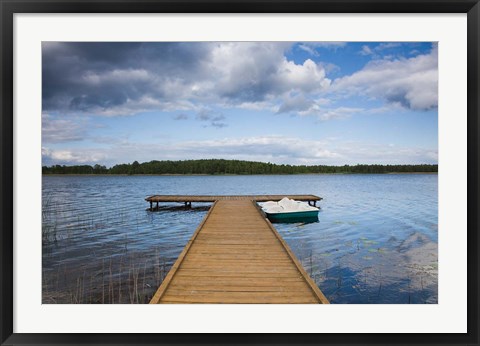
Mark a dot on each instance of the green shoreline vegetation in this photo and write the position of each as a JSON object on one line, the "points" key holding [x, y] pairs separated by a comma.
{"points": [[232, 167]]}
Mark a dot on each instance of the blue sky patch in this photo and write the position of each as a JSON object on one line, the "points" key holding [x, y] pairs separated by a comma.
{"points": [[283, 102]]}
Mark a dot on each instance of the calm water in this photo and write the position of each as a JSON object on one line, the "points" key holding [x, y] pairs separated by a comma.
{"points": [[375, 242]]}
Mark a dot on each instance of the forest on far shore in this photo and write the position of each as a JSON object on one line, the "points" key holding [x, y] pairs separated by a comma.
{"points": [[218, 166]]}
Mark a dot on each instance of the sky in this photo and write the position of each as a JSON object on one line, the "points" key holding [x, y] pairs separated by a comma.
{"points": [[329, 103]]}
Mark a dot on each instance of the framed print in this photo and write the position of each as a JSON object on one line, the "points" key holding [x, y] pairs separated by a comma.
{"points": [[242, 172]]}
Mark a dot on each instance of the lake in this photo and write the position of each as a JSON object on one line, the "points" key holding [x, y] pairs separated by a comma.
{"points": [[376, 241]]}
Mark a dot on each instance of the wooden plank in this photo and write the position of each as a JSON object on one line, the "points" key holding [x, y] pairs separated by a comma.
{"points": [[240, 297], [240, 282], [236, 256], [241, 279], [236, 300], [219, 269], [176, 265], [213, 198], [204, 260], [300, 287], [238, 293], [233, 274], [299, 266]]}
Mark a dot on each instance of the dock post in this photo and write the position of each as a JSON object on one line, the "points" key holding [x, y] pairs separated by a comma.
{"points": [[151, 206], [157, 206]]}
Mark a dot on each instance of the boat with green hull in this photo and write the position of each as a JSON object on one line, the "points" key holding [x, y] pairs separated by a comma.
{"points": [[288, 211], [293, 217]]}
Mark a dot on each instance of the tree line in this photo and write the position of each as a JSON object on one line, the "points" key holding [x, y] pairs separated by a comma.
{"points": [[217, 166]]}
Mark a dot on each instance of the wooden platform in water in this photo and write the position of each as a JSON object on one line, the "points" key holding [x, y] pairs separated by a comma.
{"points": [[237, 256], [211, 198], [188, 199]]}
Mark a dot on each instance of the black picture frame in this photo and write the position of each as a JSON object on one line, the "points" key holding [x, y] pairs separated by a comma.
{"points": [[10, 7]]}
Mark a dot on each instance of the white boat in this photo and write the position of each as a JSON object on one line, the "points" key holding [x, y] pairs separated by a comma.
{"points": [[289, 210]]}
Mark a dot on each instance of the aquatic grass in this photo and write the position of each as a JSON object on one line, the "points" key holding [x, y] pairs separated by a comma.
{"points": [[114, 283], [109, 277], [110, 283], [150, 237], [49, 224]]}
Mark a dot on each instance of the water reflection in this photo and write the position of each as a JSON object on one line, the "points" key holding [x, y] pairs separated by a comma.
{"points": [[375, 241]]}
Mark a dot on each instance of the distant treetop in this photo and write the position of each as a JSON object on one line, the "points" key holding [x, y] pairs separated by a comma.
{"points": [[219, 166]]}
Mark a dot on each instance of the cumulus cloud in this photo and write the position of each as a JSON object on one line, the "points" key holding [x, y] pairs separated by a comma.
{"points": [[206, 83], [411, 83], [68, 157], [387, 45], [128, 78], [256, 106], [320, 108], [338, 113], [298, 103], [377, 51], [276, 149], [311, 47], [57, 130], [327, 44], [269, 148], [373, 153], [366, 50], [215, 118], [117, 78], [308, 49], [253, 72]]}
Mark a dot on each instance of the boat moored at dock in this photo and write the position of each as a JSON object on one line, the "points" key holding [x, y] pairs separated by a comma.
{"points": [[289, 210], [236, 256]]}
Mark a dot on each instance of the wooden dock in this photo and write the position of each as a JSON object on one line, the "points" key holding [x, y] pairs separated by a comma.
{"points": [[188, 199], [237, 256]]}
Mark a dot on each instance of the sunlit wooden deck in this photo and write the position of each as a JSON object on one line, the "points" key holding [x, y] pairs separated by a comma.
{"points": [[237, 256]]}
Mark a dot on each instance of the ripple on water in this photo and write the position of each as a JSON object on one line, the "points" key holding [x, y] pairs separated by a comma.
{"points": [[375, 242]]}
